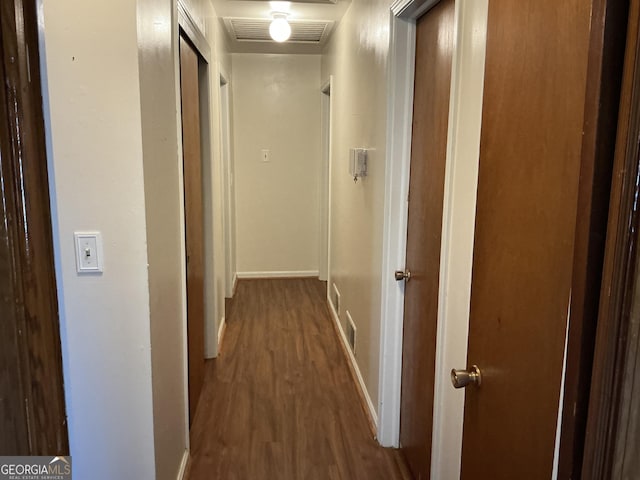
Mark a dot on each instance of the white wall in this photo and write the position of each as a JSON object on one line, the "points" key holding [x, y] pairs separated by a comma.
{"points": [[227, 156], [114, 151], [162, 153], [161, 122], [199, 11], [95, 155], [157, 27], [214, 183], [356, 56], [277, 107]]}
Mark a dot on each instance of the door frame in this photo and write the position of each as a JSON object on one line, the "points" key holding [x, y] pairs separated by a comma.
{"points": [[41, 351], [324, 254], [619, 275], [186, 25], [400, 100], [603, 106], [401, 70], [457, 228], [229, 202]]}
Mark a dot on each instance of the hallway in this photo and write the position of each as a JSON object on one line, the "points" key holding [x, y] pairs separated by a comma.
{"points": [[279, 402]]}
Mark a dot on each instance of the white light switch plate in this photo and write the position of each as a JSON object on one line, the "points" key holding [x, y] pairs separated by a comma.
{"points": [[88, 252]]}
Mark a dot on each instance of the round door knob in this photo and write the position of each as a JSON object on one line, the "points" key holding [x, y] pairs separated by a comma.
{"points": [[462, 378], [403, 275]]}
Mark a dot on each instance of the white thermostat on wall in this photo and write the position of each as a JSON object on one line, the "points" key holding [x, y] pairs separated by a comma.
{"points": [[358, 163]]}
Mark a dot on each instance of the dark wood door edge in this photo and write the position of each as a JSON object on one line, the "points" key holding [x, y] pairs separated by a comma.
{"points": [[617, 278], [28, 220], [604, 76]]}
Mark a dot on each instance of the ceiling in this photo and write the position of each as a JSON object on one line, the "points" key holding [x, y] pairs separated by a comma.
{"points": [[246, 23]]}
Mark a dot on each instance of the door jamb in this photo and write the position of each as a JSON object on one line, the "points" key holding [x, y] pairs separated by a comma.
{"points": [[185, 24], [229, 189], [602, 109], [207, 71], [192, 31], [46, 281], [325, 193], [399, 103], [449, 403], [618, 280], [400, 77]]}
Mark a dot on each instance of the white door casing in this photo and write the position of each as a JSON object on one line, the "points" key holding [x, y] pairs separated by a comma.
{"points": [[229, 188], [324, 184], [461, 178]]}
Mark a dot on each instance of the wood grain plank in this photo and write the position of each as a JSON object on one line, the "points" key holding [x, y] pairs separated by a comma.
{"points": [[529, 176], [435, 32], [13, 420], [31, 309], [604, 75], [280, 402], [618, 272]]}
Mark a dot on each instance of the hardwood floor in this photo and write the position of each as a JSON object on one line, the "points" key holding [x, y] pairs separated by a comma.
{"points": [[279, 402]]}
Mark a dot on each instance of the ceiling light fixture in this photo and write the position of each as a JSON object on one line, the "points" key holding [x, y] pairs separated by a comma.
{"points": [[280, 30]]}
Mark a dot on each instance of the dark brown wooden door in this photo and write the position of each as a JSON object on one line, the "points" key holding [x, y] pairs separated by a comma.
{"points": [[32, 407], [434, 47], [530, 157], [193, 219]]}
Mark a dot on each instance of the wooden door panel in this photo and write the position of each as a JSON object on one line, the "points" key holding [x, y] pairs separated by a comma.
{"points": [[434, 47], [192, 162], [533, 116], [13, 421], [32, 406]]}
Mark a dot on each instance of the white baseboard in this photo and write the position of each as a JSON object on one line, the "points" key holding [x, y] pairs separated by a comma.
{"points": [[279, 274], [223, 324], [235, 284], [352, 359], [183, 465]]}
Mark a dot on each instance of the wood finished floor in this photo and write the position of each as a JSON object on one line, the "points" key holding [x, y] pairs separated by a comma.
{"points": [[279, 402]]}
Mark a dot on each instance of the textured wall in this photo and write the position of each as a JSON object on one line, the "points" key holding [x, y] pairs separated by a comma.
{"points": [[356, 56], [95, 156], [277, 107]]}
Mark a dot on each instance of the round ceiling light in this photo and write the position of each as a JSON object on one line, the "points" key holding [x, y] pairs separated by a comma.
{"points": [[280, 30]]}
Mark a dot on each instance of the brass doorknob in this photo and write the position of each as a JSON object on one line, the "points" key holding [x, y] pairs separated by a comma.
{"points": [[403, 275], [462, 378]]}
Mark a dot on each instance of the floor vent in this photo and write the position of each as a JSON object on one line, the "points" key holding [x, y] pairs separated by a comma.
{"points": [[335, 299], [351, 332]]}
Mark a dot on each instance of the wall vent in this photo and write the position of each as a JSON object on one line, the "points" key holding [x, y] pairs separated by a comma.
{"points": [[335, 300], [313, 32], [351, 332]]}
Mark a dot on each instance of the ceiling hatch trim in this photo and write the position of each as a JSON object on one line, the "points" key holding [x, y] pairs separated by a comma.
{"points": [[321, 2], [313, 32]]}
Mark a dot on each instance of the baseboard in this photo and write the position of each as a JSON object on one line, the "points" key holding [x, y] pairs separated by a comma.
{"points": [[184, 466], [279, 274], [367, 404], [235, 284], [221, 330]]}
